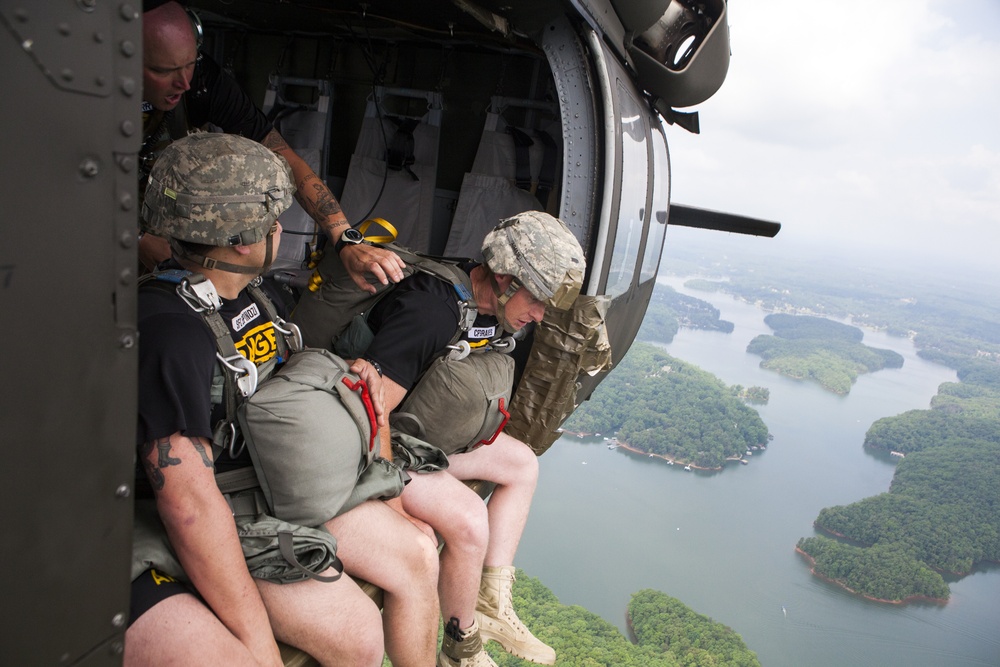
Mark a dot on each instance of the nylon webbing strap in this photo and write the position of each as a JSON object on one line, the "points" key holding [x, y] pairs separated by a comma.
{"points": [[234, 481], [450, 273], [285, 545], [399, 155], [522, 142]]}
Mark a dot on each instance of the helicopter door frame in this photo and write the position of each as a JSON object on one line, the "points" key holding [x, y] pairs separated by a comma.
{"points": [[578, 105]]}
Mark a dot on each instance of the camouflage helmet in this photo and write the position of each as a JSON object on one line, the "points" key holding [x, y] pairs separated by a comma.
{"points": [[216, 189], [541, 253]]}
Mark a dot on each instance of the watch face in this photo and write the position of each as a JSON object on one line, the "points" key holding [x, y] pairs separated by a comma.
{"points": [[352, 236]]}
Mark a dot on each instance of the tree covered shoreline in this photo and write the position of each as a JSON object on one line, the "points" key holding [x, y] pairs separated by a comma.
{"points": [[804, 347], [666, 407], [665, 633]]}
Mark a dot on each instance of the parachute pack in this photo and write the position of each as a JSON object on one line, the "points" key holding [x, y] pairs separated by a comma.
{"points": [[460, 401], [309, 427]]}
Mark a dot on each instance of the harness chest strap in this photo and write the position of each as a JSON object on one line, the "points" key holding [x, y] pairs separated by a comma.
{"points": [[237, 375]]}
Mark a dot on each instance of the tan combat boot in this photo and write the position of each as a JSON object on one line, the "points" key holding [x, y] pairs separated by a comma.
{"points": [[463, 648], [497, 620]]}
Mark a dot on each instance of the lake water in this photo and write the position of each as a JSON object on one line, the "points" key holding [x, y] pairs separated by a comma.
{"points": [[607, 523]]}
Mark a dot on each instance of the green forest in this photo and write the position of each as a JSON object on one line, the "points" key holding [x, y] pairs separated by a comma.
{"points": [[665, 406], [669, 310], [942, 511], [668, 634], [885, 572], [815, 348], [941, 514]]}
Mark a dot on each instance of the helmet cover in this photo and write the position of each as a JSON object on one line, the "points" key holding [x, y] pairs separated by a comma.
{"points": [[541, 253], [216, 189]]}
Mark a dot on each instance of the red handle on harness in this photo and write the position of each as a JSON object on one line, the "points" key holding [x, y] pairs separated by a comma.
{"points": [[361, 387], [506, 416]]}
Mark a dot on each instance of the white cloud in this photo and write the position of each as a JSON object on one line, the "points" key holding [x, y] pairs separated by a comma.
{"points": [[872, 121]]}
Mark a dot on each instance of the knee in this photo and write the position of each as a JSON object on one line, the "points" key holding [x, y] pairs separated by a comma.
{"points": [[525, 461], [368, 644], [421, 559], [360, 641], [468, 528]]}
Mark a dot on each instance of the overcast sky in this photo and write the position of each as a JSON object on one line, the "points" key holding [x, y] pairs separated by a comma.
{"points": [[869, 123]]}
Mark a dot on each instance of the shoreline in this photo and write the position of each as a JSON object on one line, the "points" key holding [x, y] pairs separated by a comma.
{"points": [[625, 445], [835, 582], [854, 542]]}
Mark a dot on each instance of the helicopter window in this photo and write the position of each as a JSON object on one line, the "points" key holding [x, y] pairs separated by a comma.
{"points": [[661, 201], [632, 206]]}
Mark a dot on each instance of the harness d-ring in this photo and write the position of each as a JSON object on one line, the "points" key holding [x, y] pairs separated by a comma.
{"points": [[459, 350], [292, 333], [245, 371]]}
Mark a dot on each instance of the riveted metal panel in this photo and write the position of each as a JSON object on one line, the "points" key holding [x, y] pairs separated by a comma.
{"points": [[70, 130]]}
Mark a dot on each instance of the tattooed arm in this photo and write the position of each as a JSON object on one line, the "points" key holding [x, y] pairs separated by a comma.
{"points": [[317, 200], [201, 529]]}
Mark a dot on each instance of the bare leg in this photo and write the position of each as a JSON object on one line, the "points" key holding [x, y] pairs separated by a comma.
{"points": [[334, 622], [378, 545], [514, 468], [460, 517], [181, 631]]}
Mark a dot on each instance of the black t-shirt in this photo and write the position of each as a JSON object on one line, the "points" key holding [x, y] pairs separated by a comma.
{"points": [[216, 98], [414, 322], [177, 359]]}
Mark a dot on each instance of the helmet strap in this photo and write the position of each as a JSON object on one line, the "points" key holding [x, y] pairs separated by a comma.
{"points": [[219, 265], [503, 298]]}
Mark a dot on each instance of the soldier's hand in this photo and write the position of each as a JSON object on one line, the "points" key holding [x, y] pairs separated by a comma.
{"points": [[362, 260]]}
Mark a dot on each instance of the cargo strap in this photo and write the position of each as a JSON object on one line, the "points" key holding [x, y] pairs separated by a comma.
{"points": [[399, 155], [547, 171], [246, 500]]}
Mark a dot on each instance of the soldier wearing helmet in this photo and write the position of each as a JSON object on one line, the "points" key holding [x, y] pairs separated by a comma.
{"points": [[184, 89], [532, 262], [541, 255], [216, 198]]}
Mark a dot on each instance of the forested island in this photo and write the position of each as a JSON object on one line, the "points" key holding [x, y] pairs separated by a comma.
{"points": [[667, 633], [815, 348], [941, 515], [669, 310], [942, 511], [660, 405]]}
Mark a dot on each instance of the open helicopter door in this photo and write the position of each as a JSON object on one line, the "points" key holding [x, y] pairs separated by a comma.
{"points": [[393, 171], [516, 169], [306, 128]]}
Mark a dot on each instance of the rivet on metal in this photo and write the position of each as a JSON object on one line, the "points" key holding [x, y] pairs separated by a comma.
{"points": [[123, 491], [89, 168]]}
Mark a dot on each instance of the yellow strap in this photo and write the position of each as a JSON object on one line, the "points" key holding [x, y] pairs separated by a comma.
{"points": [[384, 224]]}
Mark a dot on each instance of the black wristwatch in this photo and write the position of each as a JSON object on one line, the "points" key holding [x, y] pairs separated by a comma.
{"points": [[350, 236]]}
